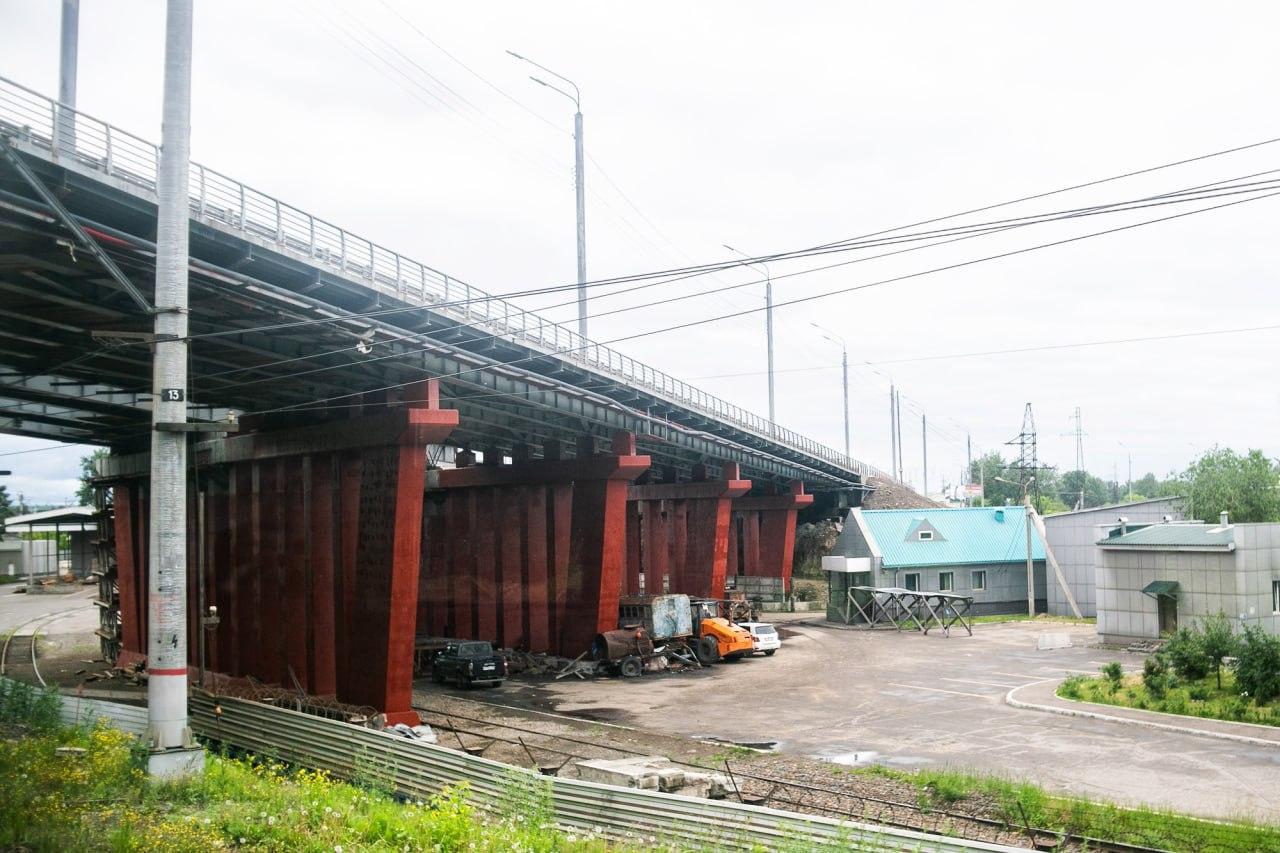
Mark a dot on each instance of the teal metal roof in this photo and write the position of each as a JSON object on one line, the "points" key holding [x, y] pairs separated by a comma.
{"points": [[965, 535], [1171, 536]]}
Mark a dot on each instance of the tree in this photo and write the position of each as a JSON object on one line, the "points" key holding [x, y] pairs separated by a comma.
{"points": [[84, 495], [1247, 487], [1258, 667], [985, 469], [6, 504], [1095, 491], [1219, 642]]}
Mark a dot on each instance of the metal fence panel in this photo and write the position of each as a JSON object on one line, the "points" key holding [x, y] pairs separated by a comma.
{"points": [[421, 770]]}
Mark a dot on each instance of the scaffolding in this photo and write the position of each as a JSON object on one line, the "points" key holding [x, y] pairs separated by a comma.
{"points": [[893, 607]]}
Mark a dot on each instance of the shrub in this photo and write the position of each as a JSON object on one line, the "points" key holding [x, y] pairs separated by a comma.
{"points": [[1070, 688], [1155, 676], [806, 592], [1198, 692], [1218, 642], [1187, 654], [1114, 674], [1258, 665]]}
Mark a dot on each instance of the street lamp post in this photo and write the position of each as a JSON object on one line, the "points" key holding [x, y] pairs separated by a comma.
{"points": [[768, 327], [1128, 489], [1027, 510], [579, 183], [844, 368]]}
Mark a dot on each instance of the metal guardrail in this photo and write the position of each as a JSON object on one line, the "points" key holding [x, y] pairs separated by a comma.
{"points": [[222, 202], [421, 770]]}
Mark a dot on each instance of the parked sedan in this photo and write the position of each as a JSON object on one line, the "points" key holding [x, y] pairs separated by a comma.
{"points": [[764, 637]]}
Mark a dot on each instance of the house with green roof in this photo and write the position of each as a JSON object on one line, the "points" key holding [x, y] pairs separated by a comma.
{"points": [[975, 551], [1152, 578]]}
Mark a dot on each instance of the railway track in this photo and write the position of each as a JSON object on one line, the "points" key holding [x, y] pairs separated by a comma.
{"points": [[19, 657], [553, 753]]}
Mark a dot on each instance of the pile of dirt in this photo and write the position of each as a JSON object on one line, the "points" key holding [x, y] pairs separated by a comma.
{"points": [[890, 494]]}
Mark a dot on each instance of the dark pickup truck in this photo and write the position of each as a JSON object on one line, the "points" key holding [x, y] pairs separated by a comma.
{"points": [[468, 662]]}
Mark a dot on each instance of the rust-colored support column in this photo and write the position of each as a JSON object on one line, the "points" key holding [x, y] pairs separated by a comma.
{"points": [[321, 500], [537, 546], [697, 526], [597, 547], [774, 516], [296, 597]]}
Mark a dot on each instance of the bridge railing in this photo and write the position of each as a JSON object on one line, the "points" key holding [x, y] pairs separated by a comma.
{"points": [[75, 138]]}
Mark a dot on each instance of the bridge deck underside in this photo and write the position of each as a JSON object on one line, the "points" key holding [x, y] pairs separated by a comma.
{"points": [[66, 377]]}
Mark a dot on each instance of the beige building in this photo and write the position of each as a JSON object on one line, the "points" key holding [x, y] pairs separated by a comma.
{"points": [[1154, 578]]}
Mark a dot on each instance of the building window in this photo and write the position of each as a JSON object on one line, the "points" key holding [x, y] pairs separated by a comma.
{"points": [[925, 535], [978, 580], [946, 581], [1275, 596], [911, 581]]}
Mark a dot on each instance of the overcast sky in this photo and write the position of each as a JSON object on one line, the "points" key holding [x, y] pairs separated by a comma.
{"points": [[775, 126]]}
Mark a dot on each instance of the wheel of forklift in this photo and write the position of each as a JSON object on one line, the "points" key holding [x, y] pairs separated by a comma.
{"points": [[707, 650], [630, 667]]}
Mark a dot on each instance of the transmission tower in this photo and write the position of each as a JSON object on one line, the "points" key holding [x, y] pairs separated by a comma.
{"points": [[1028, 462]]}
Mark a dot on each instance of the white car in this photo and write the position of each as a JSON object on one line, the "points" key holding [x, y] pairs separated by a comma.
{"points": [[764, 637]]}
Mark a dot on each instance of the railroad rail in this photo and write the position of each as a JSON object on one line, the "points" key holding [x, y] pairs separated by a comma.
{"points": [[49, 619], [801, 795]]}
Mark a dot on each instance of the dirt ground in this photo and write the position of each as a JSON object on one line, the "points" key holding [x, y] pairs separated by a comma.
{"points": [[906, 700]]}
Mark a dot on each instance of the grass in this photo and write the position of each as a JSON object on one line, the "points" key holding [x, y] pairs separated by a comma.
{"points": [[4, 579], [1039, 617], [946, 790], [85, 789], [101, 799], [1200, 698]]}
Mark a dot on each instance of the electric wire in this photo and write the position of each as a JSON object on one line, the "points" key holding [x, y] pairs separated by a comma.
{"points": [[823, 295], [600, 314]]}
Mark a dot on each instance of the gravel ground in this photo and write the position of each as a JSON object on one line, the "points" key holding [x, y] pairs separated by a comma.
{"points": [[782, 781]]}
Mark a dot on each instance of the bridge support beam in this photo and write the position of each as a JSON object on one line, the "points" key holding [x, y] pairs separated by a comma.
{"points": [[764, 536], [308, 540], [681, 531], [529, 555]]}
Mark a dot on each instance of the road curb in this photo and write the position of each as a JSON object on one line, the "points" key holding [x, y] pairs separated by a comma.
{"points": [[1011, 700]]}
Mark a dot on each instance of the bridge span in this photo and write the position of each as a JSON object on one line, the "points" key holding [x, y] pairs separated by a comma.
{"points": [[399, 452]]}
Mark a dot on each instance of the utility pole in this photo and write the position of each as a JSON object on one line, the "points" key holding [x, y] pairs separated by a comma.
{"points": [[1031, 573], [579, 182], [893, 435], [897, 407], [65, 132], [844, 368], [924, 445], [580, 192], [768, 328], [968, 465], [173, 751]]}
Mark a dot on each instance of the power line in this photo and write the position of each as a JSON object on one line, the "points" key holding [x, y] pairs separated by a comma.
{"points": [[952, 356], [814, 297], [677, 298], [1180, 196]]}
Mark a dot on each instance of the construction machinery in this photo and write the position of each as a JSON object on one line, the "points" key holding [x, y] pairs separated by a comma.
{"points": [[680, 624]]}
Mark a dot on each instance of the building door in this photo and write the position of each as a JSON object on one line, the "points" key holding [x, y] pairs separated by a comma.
{"points": [[1168, 607]]}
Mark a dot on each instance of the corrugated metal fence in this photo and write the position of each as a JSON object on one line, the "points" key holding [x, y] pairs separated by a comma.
{"points": [[420, 770]]}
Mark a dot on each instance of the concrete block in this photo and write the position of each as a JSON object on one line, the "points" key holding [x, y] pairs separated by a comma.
{"points": [[653, 773], [172, 765]]}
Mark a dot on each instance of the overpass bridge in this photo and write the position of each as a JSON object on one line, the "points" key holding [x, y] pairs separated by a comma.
{"points": [[360, 369]]}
